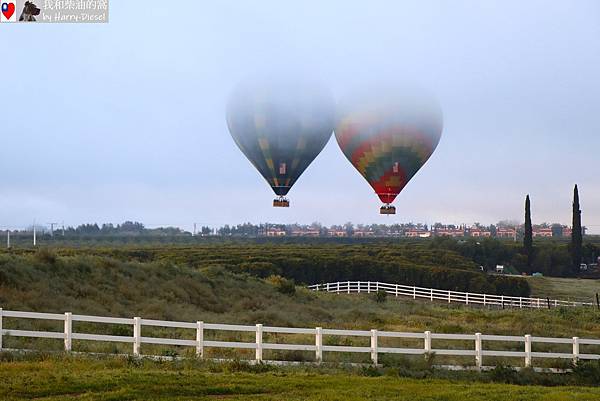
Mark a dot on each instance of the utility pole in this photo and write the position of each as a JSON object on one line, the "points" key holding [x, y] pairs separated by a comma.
{"points": [[34, 237], [52, 228]]}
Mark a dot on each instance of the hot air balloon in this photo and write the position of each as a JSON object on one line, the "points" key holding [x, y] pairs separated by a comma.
{"points": [[281, 127], [388, 135]]}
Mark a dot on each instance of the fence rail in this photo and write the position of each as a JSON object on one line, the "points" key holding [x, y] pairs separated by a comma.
{"points": [[432, 294], [318, 346]]}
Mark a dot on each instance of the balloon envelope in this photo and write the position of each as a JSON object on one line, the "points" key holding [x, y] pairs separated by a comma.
{"points": [[388, 135], [281, 127]]}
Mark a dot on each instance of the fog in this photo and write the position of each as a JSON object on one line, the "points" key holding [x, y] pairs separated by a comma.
{"points": [[126, 120]]}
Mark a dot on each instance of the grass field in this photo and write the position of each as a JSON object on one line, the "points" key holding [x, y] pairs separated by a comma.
{"points": [[106, 286], [569, 289], [124, 379]]}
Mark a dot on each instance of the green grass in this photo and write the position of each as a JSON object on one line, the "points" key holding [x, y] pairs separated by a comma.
{"points": [[125, 379], [569, 289], [158, 290]]}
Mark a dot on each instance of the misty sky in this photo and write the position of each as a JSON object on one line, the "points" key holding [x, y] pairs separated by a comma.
{"points": [[125, 121]]}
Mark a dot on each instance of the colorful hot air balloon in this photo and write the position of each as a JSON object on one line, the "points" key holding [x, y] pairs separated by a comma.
{"points": [[387, 136], [281, 127]]}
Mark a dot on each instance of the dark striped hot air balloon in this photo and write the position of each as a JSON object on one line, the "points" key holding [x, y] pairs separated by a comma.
{"points": [[281, 127], [388, 135]]}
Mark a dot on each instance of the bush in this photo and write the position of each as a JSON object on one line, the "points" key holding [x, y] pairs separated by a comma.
{"points": [[283, 285], [45, 255], [504, 374], [380, 296], [259, 269], [587, 373]]}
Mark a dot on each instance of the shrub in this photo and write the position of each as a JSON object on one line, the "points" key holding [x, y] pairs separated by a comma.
{"points": [[504, 374], [283, 285], [587, 373], [259, 269], [380, 296], [45, 255]]}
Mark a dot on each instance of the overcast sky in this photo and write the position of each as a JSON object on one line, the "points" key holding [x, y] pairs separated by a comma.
{"points": [[109, 122]]}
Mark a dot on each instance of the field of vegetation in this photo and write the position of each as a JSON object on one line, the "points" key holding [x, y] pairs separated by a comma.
{"points": [[66, 378], [550, 256], [236, 283], [407, 263], [569, 289], [105, 286]]}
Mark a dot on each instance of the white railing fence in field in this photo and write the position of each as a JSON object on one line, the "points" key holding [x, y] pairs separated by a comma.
{"points": [[467, 298], [317, 346]]}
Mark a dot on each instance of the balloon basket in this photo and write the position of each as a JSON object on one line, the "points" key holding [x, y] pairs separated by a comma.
{"points": [[281, 202], [387, 209]]}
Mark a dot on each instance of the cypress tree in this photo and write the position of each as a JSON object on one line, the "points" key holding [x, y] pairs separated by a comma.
{"points": [[528, 238], [576, 234]]}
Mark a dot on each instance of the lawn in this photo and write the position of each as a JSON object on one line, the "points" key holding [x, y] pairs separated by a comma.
{"points": [[126, 379], [569, 289]]}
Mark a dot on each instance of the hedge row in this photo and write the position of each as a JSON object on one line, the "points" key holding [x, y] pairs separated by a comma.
{"points": [[316, 271]]}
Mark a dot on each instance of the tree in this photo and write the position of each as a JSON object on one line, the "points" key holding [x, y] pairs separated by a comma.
{"points": [[576, 235], [528, 237]]}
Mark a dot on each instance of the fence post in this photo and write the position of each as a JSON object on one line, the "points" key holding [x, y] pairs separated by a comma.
{"points": [[527, 350], [467, 298], [359, 286], [327, 287], [137, 333], [68, 331], [200, 339], [348, 287], [484, 298], [449, 296], [478, 351], [368, 287], [427, 344], [0, 329], [338, 287], [520, 302], [374, 346], [431, 294], [319, 344], [377, 286], [575, 350], [259, 342], [396, 290]]}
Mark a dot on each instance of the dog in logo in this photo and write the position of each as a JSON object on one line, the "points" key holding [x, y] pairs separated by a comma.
{"points": [[29, 12]]}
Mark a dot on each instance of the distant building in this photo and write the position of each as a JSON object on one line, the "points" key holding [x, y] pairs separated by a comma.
{"points": [[506, 232], [542, 232], [478, 232], [449, 232], [414, 233], [274, 232], [304, 232]]}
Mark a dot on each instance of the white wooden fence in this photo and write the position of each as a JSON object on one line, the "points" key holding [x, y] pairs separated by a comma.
{"points": [[467, 298], [318, 347]]}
